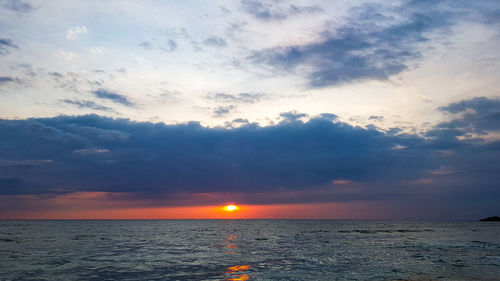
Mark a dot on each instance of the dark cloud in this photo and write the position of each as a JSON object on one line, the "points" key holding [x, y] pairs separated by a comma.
{"points": [[480, 105], [188, 157], [87, 104], [292, 161], [6, 79], [478, 115], [224, 10], [370, 46], [239, 98], [305, 9], [240, 120], [262, 11], [27, 69], [170, 46], [492, 16], [70, 81], [221, 111], [327, 116], [146, 45], [274, 11], [293, 116], [376, 118], [177, 32], [56, 74], [215, 41], [6, 45], [18, 6], [121, 99]]}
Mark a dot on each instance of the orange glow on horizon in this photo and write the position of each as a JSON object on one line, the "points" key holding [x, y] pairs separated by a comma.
{"points": [[99, 205], [281, 211]]}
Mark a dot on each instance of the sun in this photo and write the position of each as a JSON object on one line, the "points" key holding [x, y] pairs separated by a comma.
{"points": [[231, 208]]}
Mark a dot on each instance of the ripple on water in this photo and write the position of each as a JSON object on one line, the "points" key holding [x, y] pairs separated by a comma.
{"points": [[242, 250]]}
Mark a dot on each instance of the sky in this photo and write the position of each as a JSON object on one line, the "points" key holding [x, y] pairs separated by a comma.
{"points": [[289, 109]]}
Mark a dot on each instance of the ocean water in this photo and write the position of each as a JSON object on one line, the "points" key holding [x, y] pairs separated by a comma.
{"points": [[248, 250]]}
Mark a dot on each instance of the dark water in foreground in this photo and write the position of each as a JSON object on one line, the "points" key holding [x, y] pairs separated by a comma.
{"points": [[248, 249]]}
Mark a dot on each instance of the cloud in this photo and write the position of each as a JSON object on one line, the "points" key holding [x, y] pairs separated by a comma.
{"points": [[75, 32], [66, 56], [72, 81], [274, 11], [90, 151], [262, 11], [6, 45], [6, 79], [342, 182], [114, 97], [224, 10], [170, 46], [492, 16], [221, 111], [240, 121], [231, 101], [305, 9], [87, 104], [215, 41], [18, 6], [319, 160], [24, 163], [327, 116], [370, 45], [293, 116], [160, 158], [480, 105], [376, 118], [239, 98], [146, 45], [56, 74], [479, 115]]}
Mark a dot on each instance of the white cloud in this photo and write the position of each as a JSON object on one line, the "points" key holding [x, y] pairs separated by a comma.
{"points": [[97, 50], [66, 56], [75, 32]]}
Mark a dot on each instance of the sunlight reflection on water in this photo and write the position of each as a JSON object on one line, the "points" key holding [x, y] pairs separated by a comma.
{"points": [[230, 243], [241, 277], [238, 269], [236, 272]]}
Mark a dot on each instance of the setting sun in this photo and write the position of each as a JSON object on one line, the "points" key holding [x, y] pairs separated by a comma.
{"points": [[231, 208]]}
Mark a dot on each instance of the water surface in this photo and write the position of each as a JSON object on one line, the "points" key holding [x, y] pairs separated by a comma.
{"points": [[248, 249]]}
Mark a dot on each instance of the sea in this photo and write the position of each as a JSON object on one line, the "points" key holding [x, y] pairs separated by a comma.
{"points": [[248, 250]]}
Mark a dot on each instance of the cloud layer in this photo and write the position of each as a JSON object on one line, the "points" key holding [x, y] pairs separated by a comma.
{"points": [[316, 159]]}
